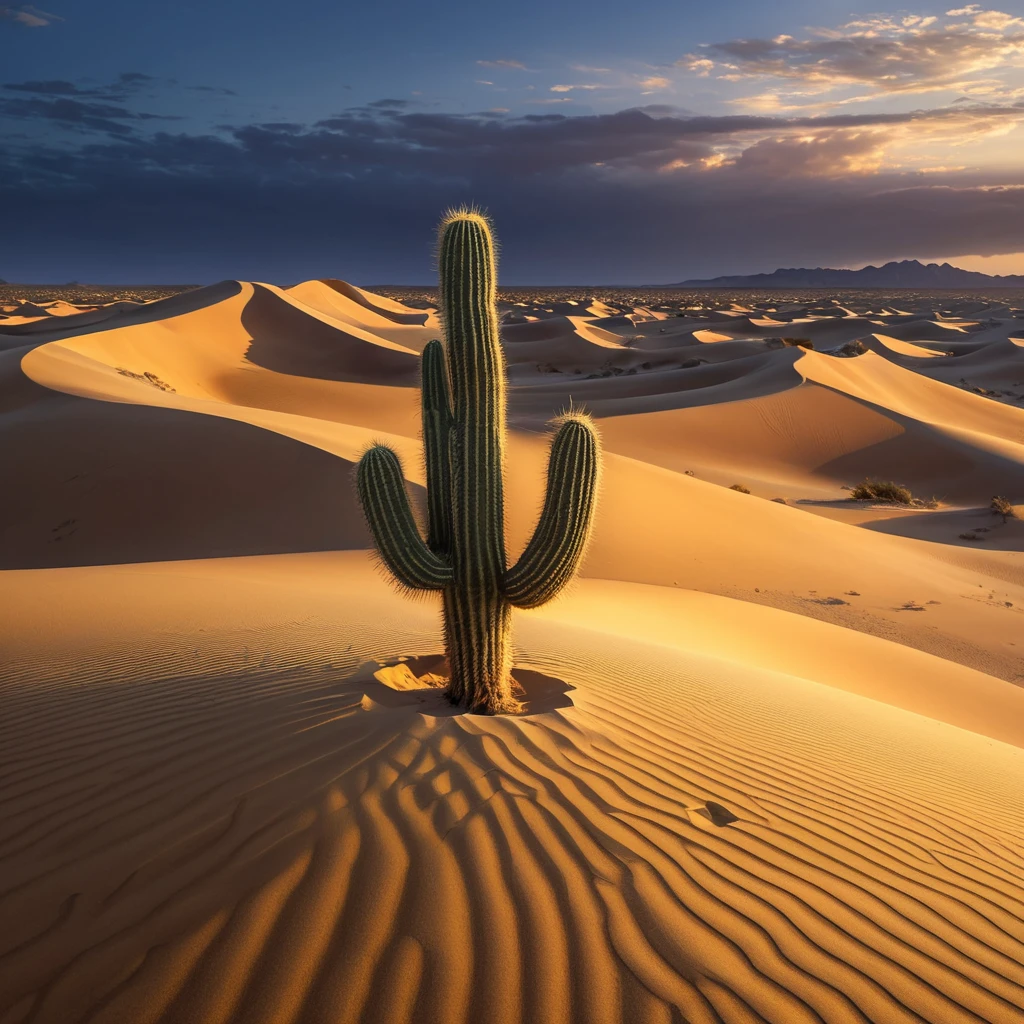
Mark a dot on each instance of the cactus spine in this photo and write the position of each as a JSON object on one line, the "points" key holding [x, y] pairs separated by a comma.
{"points": [[463, 403]]}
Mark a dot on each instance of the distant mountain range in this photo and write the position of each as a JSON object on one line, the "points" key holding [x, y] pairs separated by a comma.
{"points": [[902, 274]]}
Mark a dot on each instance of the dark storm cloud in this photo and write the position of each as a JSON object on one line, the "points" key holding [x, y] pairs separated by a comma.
{"points": [[625, 197], [387, 135], [420, 142]]}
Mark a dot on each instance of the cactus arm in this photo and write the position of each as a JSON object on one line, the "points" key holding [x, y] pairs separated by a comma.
{"points": [[385, 504], [437, 425], [560, 539]]}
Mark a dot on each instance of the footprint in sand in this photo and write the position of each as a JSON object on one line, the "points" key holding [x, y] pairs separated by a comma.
{"points": [[718, 814]]}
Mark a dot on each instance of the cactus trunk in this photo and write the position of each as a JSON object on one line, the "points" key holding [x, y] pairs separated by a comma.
{"points": [[464, 448], [477, 617]]}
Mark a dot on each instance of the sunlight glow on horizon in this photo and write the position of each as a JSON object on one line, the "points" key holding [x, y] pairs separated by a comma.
{"points": [[1006, 263]]}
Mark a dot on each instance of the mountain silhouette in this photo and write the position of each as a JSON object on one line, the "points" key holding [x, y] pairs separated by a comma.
{"points": [[897, 274]]}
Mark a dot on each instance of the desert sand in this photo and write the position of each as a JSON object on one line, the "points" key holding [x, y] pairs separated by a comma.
{"points": [[771, 766]]}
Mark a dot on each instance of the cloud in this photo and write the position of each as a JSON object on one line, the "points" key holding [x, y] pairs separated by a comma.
{"points": [[663, 110], [514, 65], [27, 15], [213, 89], [393, 137], [676, 191], [838, 154], [987, 19], [583, 87], [877, 56], [125, 85], [48, 88], [653, 82], [71, 113], [553, 229]]}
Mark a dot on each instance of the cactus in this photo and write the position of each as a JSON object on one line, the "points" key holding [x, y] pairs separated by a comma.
{"points": [[463, 555]]}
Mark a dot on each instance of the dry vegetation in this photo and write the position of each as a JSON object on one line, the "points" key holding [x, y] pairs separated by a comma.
{"points": [[851, 348], [1000, 506], [890, 492]]}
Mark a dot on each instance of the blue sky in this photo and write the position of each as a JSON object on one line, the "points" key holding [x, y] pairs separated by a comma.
{"points": [[613, 143]]}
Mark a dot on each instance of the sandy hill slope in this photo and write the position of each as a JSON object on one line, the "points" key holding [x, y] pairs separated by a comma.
{"points": [[780, 777]]}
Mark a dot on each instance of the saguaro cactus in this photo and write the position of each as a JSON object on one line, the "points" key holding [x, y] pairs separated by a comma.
{"points": [[463, 555]]}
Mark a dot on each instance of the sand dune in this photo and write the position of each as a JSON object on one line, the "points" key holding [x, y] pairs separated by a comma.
{"points": [[297, 871], [782, 784]]}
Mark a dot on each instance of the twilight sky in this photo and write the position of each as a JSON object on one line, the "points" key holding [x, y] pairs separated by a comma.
{"points": [[613, 142]]}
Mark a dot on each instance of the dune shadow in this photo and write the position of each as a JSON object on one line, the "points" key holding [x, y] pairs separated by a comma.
{"points": [[967, 528], [930, 463], [93, 483], [289, 340]]}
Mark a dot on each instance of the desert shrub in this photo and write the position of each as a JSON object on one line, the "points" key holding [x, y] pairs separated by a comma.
{"points": [[851, 348], [740, 488], [1000, 506], [882, 490]]}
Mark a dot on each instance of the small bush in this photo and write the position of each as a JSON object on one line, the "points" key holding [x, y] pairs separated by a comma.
{"points": [[740, 488], [851, 348], [1000, 506], [146, 378], [882, 490]]}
